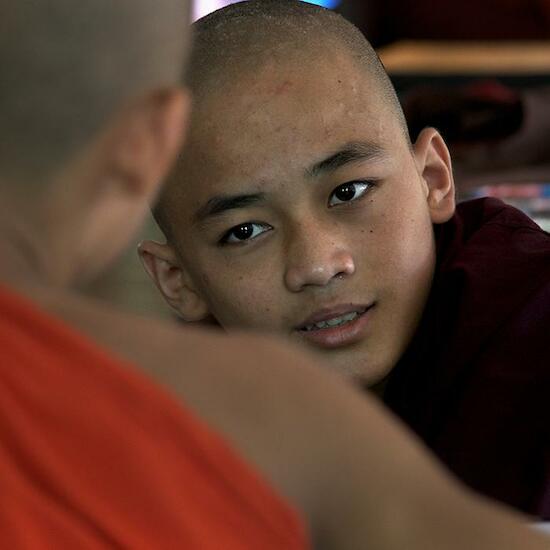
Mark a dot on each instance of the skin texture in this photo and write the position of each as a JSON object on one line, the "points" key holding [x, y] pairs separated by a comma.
{"points": [[309, 251], [268, 402]]}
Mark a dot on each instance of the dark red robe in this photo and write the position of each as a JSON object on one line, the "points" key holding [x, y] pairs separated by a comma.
{"points": [[475, 382]]}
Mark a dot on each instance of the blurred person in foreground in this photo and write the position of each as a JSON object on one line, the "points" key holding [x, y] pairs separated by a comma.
{"points": [[125, 432]]}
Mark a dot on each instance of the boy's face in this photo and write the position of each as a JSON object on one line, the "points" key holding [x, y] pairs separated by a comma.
{"points": [[304, 212]]}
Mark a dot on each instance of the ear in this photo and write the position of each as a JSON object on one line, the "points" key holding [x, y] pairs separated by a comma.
{"points": [[162, 264], [434, 166], [144, 140]]}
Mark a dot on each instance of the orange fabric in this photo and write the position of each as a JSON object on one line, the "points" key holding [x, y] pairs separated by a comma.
{"points": [[93, 455]]}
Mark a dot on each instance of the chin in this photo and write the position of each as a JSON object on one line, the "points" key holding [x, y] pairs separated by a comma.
{"points": [[372, 379], [358, 368]]}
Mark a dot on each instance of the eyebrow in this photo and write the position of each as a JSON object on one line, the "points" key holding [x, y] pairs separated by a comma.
{"points": [[355, 151], [222, 203]]}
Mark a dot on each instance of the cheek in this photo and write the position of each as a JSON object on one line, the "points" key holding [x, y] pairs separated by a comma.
{"points": [[241, 299], [404, 245], [412, 229], [416, 244], [404, 279]]}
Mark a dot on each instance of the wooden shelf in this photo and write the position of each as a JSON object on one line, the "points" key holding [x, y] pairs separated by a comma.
{"points": [[448, 58]]}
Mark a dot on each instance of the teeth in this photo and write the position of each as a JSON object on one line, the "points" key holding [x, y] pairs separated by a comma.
{"points": [[336, 321]]}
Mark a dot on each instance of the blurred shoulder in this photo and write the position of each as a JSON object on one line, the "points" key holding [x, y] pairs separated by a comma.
{"points": [[260, 395]]}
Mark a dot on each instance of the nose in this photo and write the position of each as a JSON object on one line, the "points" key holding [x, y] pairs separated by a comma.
{"points": [[315, 258]]}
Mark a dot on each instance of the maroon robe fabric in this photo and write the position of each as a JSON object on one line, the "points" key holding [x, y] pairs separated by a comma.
{"points": [[475, 381]]}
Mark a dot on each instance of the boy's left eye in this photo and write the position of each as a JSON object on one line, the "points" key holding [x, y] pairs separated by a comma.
{"points": [[348, 192], [244, 232]]}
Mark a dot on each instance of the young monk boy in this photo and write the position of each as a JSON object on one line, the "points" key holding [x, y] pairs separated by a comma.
{"points": [[300, 207]]}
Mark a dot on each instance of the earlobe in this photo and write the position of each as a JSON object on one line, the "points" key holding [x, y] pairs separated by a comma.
{"points": [[434, 165], [162, 265]]}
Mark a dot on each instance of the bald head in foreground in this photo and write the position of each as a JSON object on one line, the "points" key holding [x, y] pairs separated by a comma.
{"points": [[94, 452]]}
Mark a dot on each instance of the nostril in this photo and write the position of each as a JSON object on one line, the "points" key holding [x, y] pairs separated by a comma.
{"points": [[319, 269]]}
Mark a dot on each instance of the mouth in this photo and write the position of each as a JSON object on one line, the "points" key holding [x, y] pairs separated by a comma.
{"points": [[336, 327], [334, 321]]}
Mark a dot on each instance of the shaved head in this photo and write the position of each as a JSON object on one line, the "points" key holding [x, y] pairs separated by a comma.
{"points": [[243, 36], [241, 39], [298, 196], [68, 65]]}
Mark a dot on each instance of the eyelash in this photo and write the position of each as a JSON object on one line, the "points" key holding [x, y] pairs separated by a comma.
{"points": [[367, 186], [225, 239]]}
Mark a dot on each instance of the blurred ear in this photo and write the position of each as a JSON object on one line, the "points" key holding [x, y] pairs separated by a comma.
{"points": [[144, 139], [162, 264], [434, 165]]}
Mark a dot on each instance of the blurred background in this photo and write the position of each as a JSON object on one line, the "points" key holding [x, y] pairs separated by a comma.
{"points": [[478, 70]]}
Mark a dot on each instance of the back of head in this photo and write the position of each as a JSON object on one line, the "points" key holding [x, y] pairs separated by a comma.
{"points": [[67, 66]]}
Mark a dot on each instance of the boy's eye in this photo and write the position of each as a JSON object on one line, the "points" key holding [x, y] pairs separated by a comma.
{"points": [[244, 232], [348, 192]]}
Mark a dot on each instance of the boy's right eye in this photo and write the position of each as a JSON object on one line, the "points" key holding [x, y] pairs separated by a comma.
{"points": [[244, 232]]}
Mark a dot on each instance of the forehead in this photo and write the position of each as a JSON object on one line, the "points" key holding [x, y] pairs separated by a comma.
{"points": [[279, 119]]}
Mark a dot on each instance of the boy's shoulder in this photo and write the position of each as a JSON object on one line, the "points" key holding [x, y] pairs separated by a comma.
{"points": [[493, 262], [493, 246], [479, 359], [489, 224]]}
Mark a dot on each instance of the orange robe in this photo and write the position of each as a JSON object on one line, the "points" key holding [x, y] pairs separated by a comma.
{"points": [[94, 455]]}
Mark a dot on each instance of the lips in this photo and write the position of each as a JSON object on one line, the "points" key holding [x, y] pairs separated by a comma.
{"points": [[336, 327]]}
